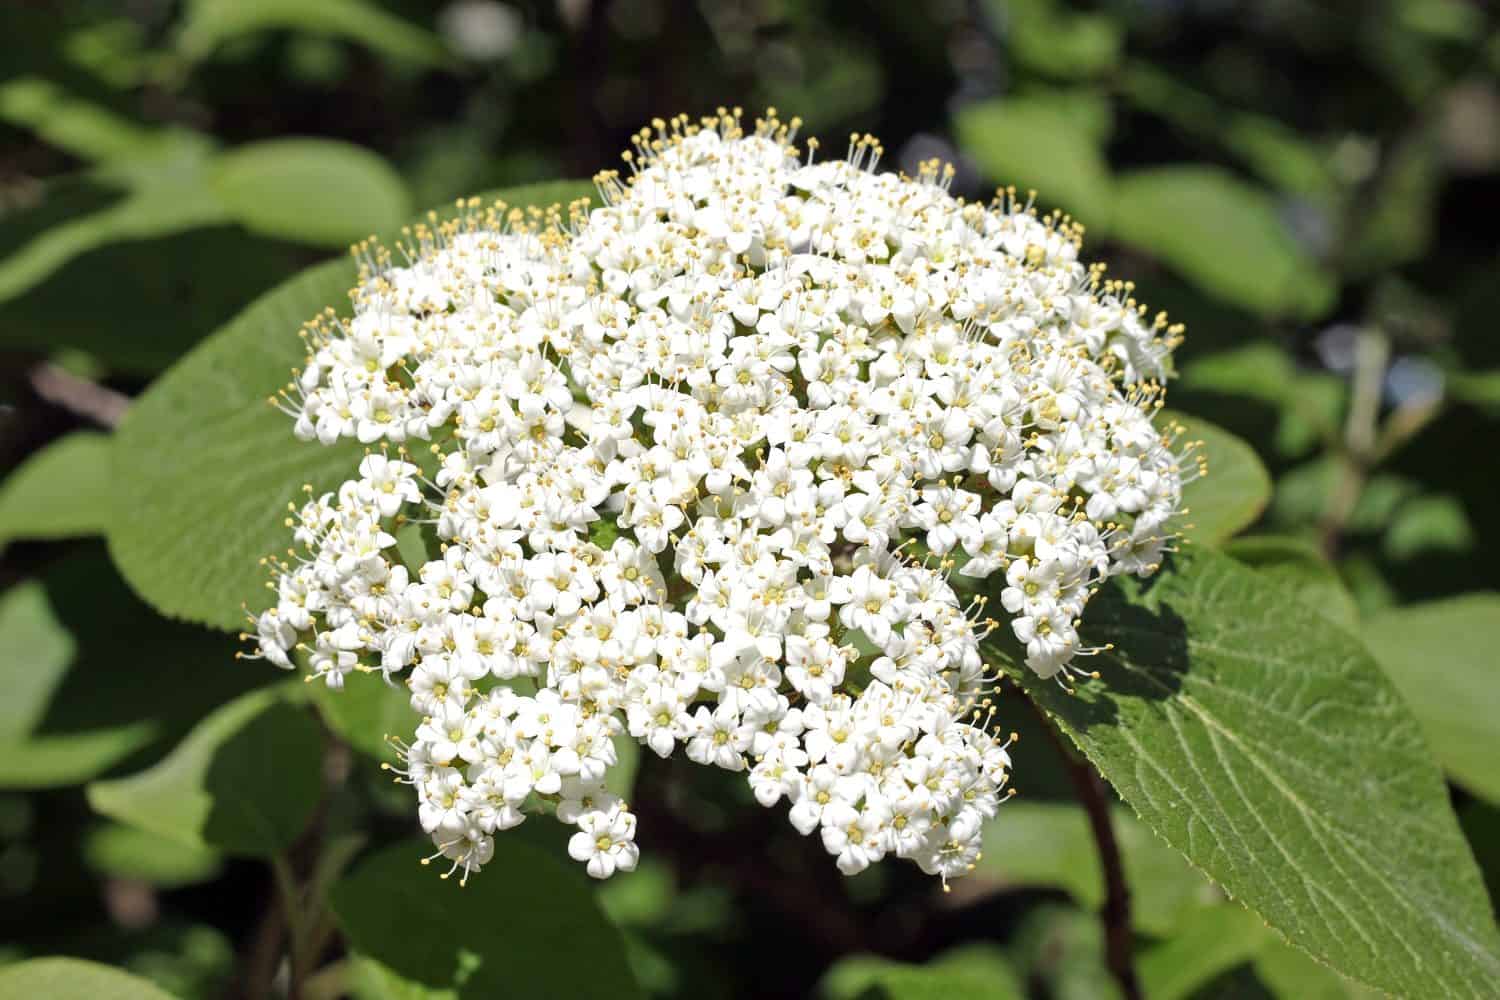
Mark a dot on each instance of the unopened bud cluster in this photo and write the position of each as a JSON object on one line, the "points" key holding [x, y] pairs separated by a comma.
{"points": [[727, 466]]}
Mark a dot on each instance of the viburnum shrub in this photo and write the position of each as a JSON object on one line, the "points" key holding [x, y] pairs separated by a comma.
{"points": [[732, 463]]}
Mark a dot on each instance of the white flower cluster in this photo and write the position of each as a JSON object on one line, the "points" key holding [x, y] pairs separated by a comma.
{"points": [[725, 465]]}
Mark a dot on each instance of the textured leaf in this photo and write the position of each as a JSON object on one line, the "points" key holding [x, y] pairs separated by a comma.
{"points": [[93, 679], [197, 525], [1223, 235], [1272, 751], [310, 190], [1442, 657], [245, 780], [61, 491], [1298, 567], [1032, 142], [1236, 489], [525, 926], [211, 23], [1045, 844], [74, 979]]}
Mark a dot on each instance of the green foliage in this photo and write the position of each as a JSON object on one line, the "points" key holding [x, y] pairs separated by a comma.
{"points": [[1223, 235], [1048, 844], [365, 712], [1216, 941], [1300, 570], [438, 936], [93, 680], [230, 451], [1035, 142], [74, 979], [245, 781], [210, 24], [1276, 756], [1441, 656], [1233, 493], [312, 190], [128, 852], [977, 973], [61, 491]]}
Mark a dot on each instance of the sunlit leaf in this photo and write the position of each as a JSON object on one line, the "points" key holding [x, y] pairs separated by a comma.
{"points": [[192, 531], [74, 979], [114, 850], [1218, 940], [1273, 752], [1234, 492]]}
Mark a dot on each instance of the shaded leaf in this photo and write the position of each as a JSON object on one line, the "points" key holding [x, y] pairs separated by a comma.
{"points": [[74, 979], [1044, 844], [245, 780], [1059, 42], [367, 711], [93, 680], [310, 190], [1032, 142], [1222, 234], [114, 850], [1441, 656], [439, 936], [198, 525], [1234, 492], [61, 491], [976, 973], [1273, 752], [1218, 940]]}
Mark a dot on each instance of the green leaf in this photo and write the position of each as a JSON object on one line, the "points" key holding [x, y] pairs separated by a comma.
{"points": [[1217, 941], [1032, 142], [93, 679], [245, 780], [61, 491], [1060, 42], [1045, 844], [1435, 522], [74, 979], [1234, 492], [1297, 566], [1441, 656], [211, 23], [79, 127], [1272, 751], [198, 525], [366, 711], [1291, 975], [974, 973], [519, 928], [117, 851], [310, 190], [1222, 234]]}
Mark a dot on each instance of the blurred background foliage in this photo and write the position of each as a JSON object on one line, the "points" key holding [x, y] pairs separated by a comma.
{"points": [[1310, 185]]}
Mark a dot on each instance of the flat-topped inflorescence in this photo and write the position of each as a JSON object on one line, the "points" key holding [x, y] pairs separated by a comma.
{"points": [[728, 464]]}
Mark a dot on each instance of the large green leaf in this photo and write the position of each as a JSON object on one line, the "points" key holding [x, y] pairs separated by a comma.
{"points": [[74, 979], [119, 851], [190, 531], [1441, 656], [1045, 844], [61, 491], [245, 780], [310, 190], [1298, 567], [1032, 142], [1222, 234], [93, 680], [367, 711], [1271, 750], [211, 23], [1235, 490], [526, 926]]}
